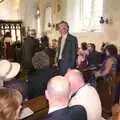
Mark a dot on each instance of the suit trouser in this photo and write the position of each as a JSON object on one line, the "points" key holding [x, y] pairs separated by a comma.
{"points": [[61, 67]]}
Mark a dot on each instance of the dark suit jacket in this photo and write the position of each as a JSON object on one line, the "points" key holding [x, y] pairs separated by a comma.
{"points": [[30, 46], [44, 41], [20, 85], [37, 81], [94, 58], [69, 113], [69, 54]]}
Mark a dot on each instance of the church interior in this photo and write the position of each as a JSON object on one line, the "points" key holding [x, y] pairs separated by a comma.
{"points": [[94, 23]]}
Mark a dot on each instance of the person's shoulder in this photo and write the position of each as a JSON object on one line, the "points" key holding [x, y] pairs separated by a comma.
{"points": [[36, 39], [97, 53], [27, 40], [49, 71], [48, 117], [109, 60], [114, 59], [88, 89], [77, 108], [92, 92], [88, 86], [61, 114], [72, 37], [77, 112]]}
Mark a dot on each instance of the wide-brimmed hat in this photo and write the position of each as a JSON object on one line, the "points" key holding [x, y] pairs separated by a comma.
{"points": [[8, 69]]}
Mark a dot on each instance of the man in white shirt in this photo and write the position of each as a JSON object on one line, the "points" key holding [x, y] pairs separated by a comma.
{"points": [[84, 94], [67, 48]]}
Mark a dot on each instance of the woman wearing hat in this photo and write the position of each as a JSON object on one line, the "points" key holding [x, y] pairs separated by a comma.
{"points": [[8, 70]]}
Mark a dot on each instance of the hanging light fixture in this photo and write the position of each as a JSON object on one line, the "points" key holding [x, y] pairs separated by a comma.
{"points": [[1, 1]]}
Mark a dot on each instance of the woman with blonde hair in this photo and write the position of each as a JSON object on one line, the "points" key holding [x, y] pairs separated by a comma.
{"points": [[10, 104]]}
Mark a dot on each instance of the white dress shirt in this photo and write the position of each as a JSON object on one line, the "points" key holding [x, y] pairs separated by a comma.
{"points": [[53, 109], [63, 41]]}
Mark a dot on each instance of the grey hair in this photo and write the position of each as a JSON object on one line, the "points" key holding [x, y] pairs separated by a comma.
{"points": [[40, 60]]}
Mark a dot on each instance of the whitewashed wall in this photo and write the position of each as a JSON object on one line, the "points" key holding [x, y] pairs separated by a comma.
{"points": [[110, 32], [9, 10]]}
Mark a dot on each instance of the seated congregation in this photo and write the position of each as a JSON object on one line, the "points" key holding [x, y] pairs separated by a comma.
{"points": [[69, 97]]}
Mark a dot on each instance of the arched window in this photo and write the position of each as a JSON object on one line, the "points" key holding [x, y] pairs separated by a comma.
{"points": [[38, 23], [84, 15], [48, 19]]}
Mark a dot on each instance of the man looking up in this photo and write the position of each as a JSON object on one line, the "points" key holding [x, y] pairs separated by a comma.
{"points": [[67, 48]]}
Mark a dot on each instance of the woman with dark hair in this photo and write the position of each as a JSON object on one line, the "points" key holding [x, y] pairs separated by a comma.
{"points": [[82, 56], [103, 55], [106, 76], [84, 46], [109, 66]]}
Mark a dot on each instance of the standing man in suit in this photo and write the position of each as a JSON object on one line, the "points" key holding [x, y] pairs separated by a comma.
{"points": [[44, 40], [58, 94], [67, 48], [29, 48]]}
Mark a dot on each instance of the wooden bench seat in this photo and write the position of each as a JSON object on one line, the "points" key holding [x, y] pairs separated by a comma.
{"points": [[40, 107], [107, 91], [116, 112]]}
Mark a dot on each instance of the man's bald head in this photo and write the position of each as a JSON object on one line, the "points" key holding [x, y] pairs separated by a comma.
{"points": [[75, 78], [58, 88]]}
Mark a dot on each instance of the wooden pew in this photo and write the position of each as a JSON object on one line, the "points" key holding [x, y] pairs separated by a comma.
{"points": [[116, 112], [106, 90], [39, 106]]}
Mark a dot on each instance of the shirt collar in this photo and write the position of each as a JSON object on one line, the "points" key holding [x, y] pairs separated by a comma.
{"points": [[65, 36], [53, 109]]}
